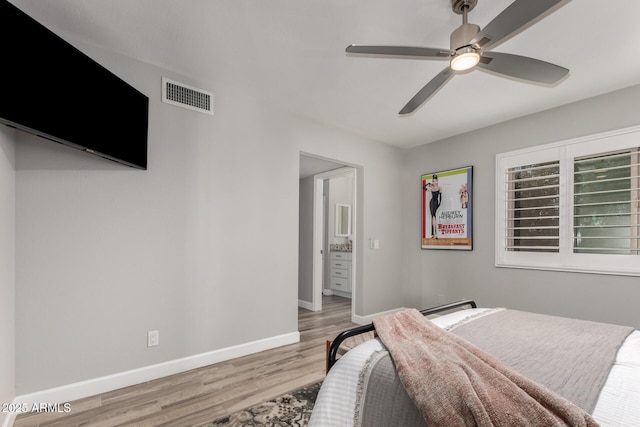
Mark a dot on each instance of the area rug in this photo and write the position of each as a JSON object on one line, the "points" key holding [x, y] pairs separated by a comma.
{"points": [[291, 409]]}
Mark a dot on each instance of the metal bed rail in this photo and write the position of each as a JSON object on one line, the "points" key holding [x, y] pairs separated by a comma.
{"points": [[332, 352]]}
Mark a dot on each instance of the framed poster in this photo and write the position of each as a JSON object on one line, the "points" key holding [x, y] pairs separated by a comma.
{"points": [[447, 209]]}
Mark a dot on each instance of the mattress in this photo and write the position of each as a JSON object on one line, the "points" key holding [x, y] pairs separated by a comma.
{"points": [[618, 403]]}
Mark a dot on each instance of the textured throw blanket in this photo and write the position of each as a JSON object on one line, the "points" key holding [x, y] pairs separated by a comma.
{"points": [[454, 383], [571, 357]]}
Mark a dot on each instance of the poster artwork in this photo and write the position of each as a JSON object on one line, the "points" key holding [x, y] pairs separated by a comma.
{"points": [[447, 209]]}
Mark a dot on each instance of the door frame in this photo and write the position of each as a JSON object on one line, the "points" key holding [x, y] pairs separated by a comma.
{"points": [[319, 231]]}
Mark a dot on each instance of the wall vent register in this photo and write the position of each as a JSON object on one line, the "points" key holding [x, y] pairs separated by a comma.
{"points": [[185, 96]]}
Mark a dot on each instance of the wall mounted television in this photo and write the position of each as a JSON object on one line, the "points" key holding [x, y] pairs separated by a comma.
{"points": [[53, 90]]}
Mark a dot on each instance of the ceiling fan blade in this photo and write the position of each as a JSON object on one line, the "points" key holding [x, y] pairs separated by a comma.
{"points": [[518, 16], [428, 90], [522, 67], [422, 52]]}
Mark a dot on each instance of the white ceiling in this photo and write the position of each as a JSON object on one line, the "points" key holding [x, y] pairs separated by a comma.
{"points": [[291, 53]]}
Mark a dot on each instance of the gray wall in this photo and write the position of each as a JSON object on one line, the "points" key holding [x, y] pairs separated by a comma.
{"points": [[203, 246], [456, 274], [305, 238], [378, 201], [7, 267]]}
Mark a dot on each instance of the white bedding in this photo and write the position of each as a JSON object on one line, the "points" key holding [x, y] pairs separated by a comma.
{"points": [[617, 406]]}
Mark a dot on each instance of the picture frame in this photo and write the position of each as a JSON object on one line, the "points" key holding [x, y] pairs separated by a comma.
{"points": [[447, 209]]}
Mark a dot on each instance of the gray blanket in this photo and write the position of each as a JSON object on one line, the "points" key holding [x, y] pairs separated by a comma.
{"points": [[570, 357]]}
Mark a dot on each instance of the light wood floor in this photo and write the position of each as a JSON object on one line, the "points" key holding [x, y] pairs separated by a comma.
{"points": [[201, 395]]}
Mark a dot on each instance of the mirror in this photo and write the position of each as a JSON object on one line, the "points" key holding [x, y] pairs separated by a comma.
{"points": [[343, 220]]}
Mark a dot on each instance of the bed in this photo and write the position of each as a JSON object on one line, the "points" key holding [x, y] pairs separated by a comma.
{"points": [[595, 366]]}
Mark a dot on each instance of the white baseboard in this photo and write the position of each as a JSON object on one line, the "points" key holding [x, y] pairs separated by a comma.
{"points": [[342, 294], [364, 320], [9, 419], [100, 385], [305, 304]]}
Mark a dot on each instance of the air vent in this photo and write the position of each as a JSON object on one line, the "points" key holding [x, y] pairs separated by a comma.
{"points": [[186, 96]]}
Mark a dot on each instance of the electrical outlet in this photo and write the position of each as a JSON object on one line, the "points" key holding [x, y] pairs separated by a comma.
{"points": [[153, 338]]}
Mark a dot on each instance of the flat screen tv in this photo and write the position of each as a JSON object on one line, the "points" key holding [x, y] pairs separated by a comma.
{"points": [[51, 89]]}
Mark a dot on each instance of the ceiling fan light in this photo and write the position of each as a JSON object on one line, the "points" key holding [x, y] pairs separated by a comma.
{"points": [[465, 61]]}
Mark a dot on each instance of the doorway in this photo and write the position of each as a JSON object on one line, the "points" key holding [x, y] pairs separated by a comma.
{"points": [[316, 223]]}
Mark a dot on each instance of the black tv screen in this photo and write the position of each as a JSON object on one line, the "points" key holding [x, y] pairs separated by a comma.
{"points": [[53, 90]]}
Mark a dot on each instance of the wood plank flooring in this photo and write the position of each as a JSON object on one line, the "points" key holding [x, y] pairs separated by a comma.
{"points": [[202, 395]]}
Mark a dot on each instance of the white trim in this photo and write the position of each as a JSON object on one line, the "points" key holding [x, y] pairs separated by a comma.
{"points": [[355, 226], [364, 320], [305, 304], [341, 294], [565, 152], [317, 264], [318, 229], [107, 383], [9, 419]]}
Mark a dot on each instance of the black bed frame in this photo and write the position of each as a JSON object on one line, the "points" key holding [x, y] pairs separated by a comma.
{"points": [[332, 352]]}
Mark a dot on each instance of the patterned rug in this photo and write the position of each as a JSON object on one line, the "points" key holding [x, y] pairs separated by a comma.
{"points": [[291, 409]]}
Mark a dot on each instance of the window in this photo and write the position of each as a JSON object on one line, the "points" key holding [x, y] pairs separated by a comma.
{"points": [[605, 199], [533, 207], [573, 205]]}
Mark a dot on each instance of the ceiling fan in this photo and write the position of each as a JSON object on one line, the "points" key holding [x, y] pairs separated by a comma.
{"points": [[470, 49]]}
